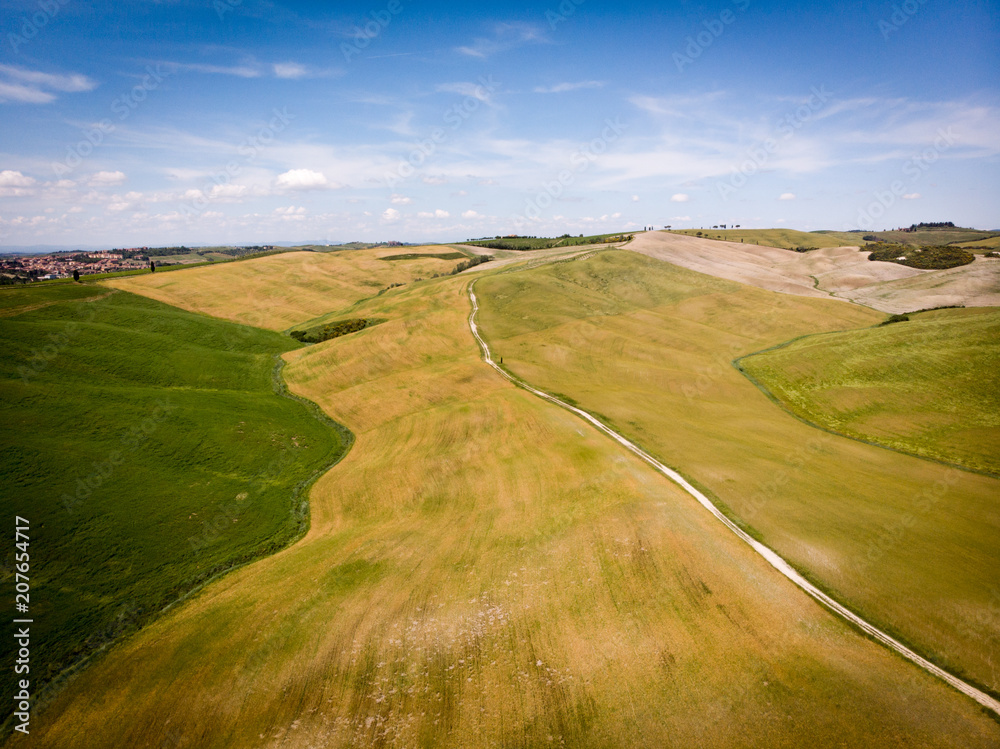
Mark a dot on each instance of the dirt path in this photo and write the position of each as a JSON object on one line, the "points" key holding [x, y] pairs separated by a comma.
{"points": [[771, 556]]}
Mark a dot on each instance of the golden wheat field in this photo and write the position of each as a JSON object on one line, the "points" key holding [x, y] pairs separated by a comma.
{"points": [[278, 291], [484, 569], [912, 545]]}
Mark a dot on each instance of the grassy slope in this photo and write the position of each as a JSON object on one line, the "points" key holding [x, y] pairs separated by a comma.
{"points": [[932, 236], [138, 424], [484, 570], [786, 239], [279, 291], [991, 243], [15, 300], [649, 345], [923, 386]]}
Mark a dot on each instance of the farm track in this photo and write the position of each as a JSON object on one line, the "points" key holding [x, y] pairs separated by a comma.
{"points": [[767, 553]]}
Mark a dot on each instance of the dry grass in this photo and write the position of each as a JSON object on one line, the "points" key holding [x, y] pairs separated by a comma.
{"points": [[912, 545], [485, 570], [280, 291], [841, 272]]}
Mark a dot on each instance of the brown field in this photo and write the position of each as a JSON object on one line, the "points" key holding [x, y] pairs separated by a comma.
{"points": [[840, 272], [485, 570]]}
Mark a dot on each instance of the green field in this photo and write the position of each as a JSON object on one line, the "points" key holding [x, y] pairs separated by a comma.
{"points": [[785, 239], [149, 450], [985, 245], [934, 236], [910, 544], [922, 386], [17, 299]]}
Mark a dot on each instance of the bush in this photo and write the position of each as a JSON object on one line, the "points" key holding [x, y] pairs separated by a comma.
{"points": [[925, 258], [328, 332], [895, 318], [471, 263]]}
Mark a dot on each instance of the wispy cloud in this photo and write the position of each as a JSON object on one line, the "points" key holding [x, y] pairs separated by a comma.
{"points": [[505, 36], [240, 71], [35, 87], [560, 88], [290, 70]]}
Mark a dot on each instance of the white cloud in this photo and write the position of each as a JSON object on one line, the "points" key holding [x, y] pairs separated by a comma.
{"points": [[680, 198], [635, 198], [290, 70], [680, 218], [240, 71], [11, 178], [291, 211], [35, 87], [390, 214], [506, 35], [912, 196], [107, 179], [787, 196], [439, 213], [15, 184], [562, 87], [401, 200], [471, 214], [228, 191], [302, 179], [435, 181], [462, 88], [23, 94]]}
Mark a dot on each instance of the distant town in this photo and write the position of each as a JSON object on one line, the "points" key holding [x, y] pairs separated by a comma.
{"points": [[26, 268]]}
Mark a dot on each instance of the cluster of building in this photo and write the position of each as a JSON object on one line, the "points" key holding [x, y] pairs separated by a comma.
{"points": [[62, 264]]}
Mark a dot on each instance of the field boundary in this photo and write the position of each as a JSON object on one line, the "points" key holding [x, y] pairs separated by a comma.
{"points": [[300, 510], [738, 365], [772, 557]]}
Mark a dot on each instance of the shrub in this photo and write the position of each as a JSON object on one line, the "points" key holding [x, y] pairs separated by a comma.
{"points": [[895, 318], [471, 263], [330, 331], [925, 258]]}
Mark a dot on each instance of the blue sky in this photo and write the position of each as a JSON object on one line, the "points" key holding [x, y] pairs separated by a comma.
{"points": [[242, 121]]}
